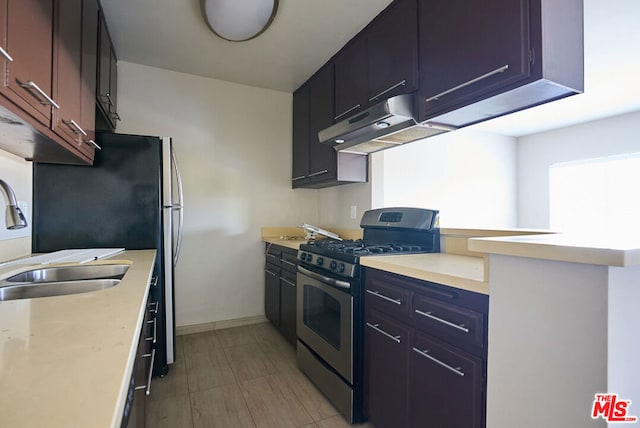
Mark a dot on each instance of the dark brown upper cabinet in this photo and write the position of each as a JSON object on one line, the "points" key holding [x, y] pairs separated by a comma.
{"points": [[300, 168], [351, 79], [28, 42], [68, 77], [392, 52], [322, 157], [106, 93], [480, 60], [90, 11], [318, 165], [44, 73]]}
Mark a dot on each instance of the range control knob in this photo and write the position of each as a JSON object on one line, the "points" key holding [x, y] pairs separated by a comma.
{"points": [[333, 265], [319, 261], [303, 256], [341, 267]]}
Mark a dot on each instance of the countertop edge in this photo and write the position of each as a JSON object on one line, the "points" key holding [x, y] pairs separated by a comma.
{"points": [[560, 248], [116, 422], [426, 274]]}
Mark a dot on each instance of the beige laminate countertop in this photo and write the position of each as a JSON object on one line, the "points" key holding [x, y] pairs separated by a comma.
{"points": [[462, 272], [598, 250], [66, 361]]}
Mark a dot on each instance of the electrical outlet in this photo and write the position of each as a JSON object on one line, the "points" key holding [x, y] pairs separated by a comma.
{"points": [[353, 212]]}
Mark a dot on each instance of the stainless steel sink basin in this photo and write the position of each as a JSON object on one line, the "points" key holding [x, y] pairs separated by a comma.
{"points": [[70, 273], [48, 289]]}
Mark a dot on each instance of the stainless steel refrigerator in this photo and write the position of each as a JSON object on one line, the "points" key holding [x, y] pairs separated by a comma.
{"points": [[132, 198]]}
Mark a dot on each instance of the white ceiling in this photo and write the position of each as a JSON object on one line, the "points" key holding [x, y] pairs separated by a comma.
{"points": [[172, 35]]}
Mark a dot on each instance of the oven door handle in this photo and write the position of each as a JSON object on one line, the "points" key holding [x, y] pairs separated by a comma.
{"points": [[325, 279]]}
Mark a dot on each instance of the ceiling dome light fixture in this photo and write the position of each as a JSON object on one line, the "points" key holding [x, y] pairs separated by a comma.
{"points": [[238, 21]]}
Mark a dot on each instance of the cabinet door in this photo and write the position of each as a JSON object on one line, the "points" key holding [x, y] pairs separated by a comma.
{"points": [[446, 386], [66, 73], [113, 87], [5, 57], [272, 294], [351, 80], [288, 305], [300, 169], [392, 53], [103, 92], [468, 49], [29, 42], [322, 157], [387, 355], [89, 67]]}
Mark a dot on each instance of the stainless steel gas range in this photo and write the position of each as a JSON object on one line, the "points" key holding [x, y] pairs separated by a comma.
{"points": [[330, 288]]}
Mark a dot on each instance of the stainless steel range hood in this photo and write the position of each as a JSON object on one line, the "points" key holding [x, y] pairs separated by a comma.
{"points": [[384, 125]]}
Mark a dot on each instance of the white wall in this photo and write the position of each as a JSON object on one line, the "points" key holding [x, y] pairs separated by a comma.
{"points": [[536, 153], [469, 175], [17, 172], [233, 144]]}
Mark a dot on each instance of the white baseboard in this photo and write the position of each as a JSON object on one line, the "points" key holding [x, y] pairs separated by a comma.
{"points": [[219, 325]]}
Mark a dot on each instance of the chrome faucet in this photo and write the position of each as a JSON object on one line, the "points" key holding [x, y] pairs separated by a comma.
{"points": [[15, 218]]}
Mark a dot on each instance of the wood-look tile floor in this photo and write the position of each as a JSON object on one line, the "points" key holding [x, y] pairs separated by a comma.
{"points": [[238, 377]]}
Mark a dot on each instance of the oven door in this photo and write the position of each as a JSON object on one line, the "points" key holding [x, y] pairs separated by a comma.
{"points": [[325, 319]]}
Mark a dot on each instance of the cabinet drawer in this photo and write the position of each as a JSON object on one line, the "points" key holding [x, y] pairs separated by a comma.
{"points": [[273, 255], [459, 326], [385, 328], [289, 261], [289, 277], [387, 298], [272, 270]]}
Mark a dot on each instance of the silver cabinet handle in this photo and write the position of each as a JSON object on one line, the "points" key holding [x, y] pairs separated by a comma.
{"points": [[107, 97], [391, 88], [147, 387], [155, 309], [298, 178], [73, 125], [288, 262], [324, 171], [357, 106], [154, 281], [48, 100], [379, 330], [435, 360], [271, 273], [325, 279], [95, 146], [155, 331], [470, 82], [440, 320], [115, 116], [6, 55], [382, 296], [293, 284]]}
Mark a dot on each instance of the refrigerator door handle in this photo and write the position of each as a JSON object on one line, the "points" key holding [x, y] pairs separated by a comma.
{"points": [[178, 207]]}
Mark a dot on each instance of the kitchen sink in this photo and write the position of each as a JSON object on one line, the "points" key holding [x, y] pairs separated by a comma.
{"points": [[61, 280], [69, 273], [48, 289]]}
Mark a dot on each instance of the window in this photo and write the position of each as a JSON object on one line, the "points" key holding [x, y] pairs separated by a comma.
{"points": [[597, 195]]}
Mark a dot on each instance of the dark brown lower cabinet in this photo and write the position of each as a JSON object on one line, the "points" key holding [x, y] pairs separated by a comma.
{"points": [[445, 386], [387, 348], [272, 293], [288, 305], [425, 353], [280, 271]]}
